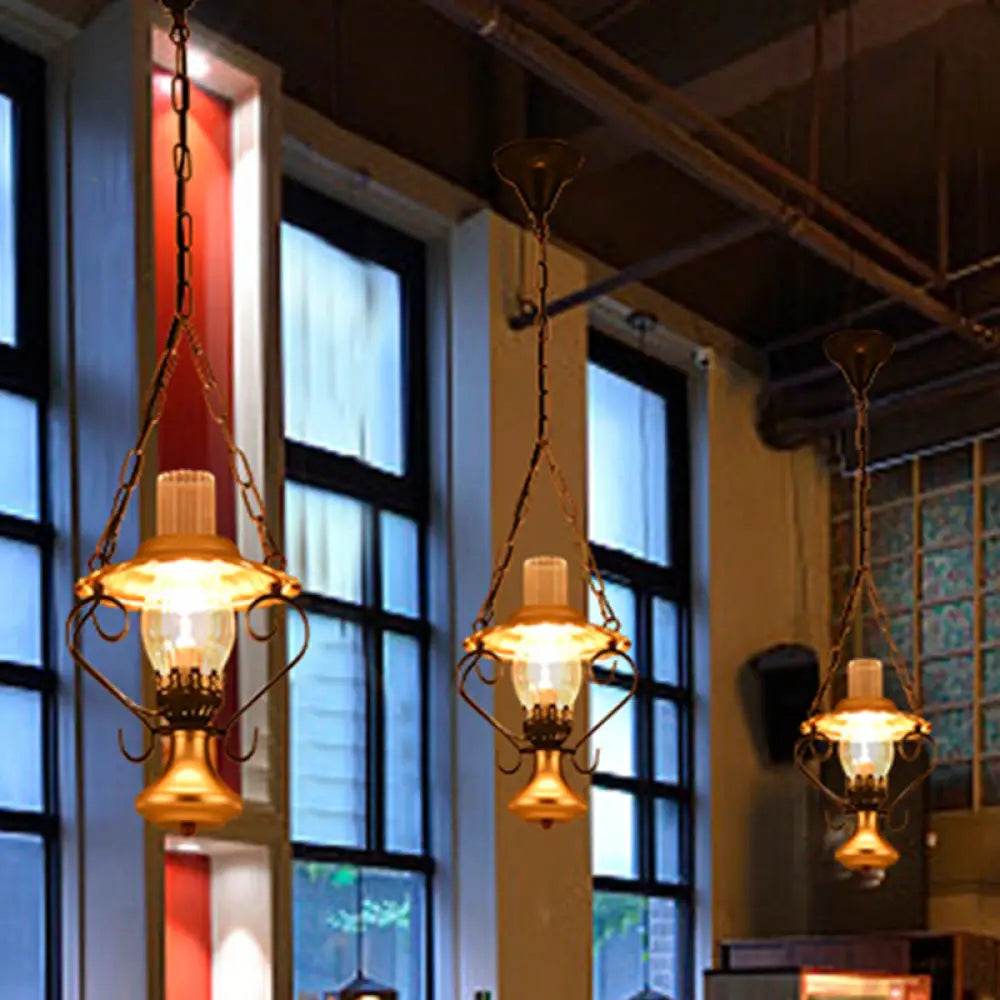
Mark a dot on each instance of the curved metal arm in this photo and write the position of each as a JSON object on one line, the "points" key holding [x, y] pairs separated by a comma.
{"points": [[235, 756], [471, 661], [917, 740], [262, 602], [137, 758], [86, 611], [627, 697], [806, 751]]}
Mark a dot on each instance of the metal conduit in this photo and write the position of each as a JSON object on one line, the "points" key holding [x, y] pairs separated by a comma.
{"points": [[550, 62]]}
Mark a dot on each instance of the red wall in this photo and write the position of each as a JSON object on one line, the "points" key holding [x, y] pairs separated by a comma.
{"points": [[188, 437], [188, 927]]}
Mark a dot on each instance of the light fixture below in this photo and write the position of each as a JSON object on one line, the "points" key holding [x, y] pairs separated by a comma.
{"points": [[187, 582], [547, 646], [865, 729]]}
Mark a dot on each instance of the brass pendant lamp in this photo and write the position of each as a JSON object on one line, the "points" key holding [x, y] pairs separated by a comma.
{"points": [[187, 583], [865, 729], [548, 647]]}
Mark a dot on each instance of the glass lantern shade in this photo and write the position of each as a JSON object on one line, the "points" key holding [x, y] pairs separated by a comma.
{"points": [[546, 641]]}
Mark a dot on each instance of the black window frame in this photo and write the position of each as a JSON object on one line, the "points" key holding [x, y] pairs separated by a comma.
{"points": [[24, 371], [381, 491], [650, 581]]}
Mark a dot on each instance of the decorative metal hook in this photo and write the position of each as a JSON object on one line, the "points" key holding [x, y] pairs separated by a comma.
{"points": [[82, 612], [233, 755], [147, 751], [469, 662], [813, 748], [919, 739], [267, 600], [515, 767], [587, 769], [616, 653]]}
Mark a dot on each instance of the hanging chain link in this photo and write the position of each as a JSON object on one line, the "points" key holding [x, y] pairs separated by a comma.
{"points": [[863, 582], [239, 466], [543, 449]]}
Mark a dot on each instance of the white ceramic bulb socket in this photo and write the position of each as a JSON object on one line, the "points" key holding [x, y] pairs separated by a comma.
{"points": [[864, 678], [545, 580], [185, 502]]}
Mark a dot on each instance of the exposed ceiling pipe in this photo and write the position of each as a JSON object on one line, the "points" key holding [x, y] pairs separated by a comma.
{"points": [[551, 63], [699, 120], [643, 270]]}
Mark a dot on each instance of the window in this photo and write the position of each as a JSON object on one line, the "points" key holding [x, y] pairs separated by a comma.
{"points": [[936, 561], [352, 306], [28, 825], [641, 795]]}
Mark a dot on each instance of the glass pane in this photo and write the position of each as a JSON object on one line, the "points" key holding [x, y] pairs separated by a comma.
{"points": [[666, 740], [21, 772], [21, 577], [628, 487], [613, 833], [991, 672], [619, 936], [22, 916], [635, 945], [991, 501], [946, 681], [946, 468], [991, 563], [18, 452], [946, 628], [947, 518], [616, 738], [666, 642], [991, 617], [952, 733], [330, 941], [341, 326], [400, 565], [325, 541], [668, 839], [327, 734], [403, 773], [622, 601], [887, 485], [894, 580], [990, 720], [8, 260], [892, 531], [947, 574]]}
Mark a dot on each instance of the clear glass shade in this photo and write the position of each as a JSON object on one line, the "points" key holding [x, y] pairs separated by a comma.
{"points": [[185, 625], [546, 668], [866, 754]]}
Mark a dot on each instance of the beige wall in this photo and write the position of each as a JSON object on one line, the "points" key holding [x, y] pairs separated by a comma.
{"points": [[767, 565]]}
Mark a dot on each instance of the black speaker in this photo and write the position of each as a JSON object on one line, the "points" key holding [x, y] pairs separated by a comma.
{"points": [[787, 677]]}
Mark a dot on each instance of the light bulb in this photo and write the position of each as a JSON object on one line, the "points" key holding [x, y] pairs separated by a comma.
{"points": [[184, 626], [866, 753], [546, 670]]}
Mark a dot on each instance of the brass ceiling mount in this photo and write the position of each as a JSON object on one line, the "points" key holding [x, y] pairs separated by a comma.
{"points": [[859, 354], [538, 169]]}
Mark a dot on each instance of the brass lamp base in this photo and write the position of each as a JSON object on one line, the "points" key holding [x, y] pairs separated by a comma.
{"points": [[189, 795], [547, 799], [538, 169], [859, 354], [867, 850]]}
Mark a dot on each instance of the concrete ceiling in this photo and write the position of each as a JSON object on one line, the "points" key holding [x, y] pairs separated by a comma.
{"points": [[897, 72]]}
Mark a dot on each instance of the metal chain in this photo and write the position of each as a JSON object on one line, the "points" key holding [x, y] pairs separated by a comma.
{"points": [[543, 447], [239, 465], [863, 582], [131, 470]]}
